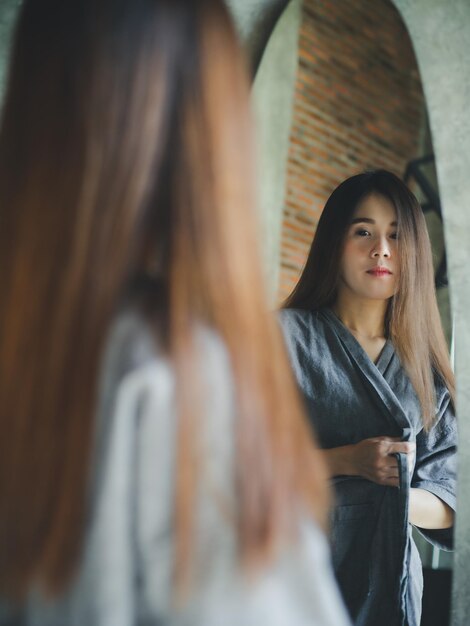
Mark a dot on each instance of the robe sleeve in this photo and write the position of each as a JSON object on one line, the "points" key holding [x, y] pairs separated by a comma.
{"points": [[436, 466]]}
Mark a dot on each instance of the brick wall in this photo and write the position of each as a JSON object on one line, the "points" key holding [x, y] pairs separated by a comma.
{"points": [[358, 104]]}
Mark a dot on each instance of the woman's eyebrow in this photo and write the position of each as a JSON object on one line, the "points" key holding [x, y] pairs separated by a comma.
{"points": [[368, 220], [358, 220]]}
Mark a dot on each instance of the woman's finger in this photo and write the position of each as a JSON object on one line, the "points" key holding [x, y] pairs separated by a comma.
{"points": [[405, 447]]}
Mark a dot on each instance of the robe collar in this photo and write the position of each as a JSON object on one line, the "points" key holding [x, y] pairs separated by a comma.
{"points": [[373, 373]]}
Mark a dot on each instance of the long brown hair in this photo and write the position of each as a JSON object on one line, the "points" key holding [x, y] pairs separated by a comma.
{"points": [[412, 320], [125, 143]]}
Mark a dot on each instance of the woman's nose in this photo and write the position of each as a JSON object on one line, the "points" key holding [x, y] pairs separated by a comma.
{"points": [[381, 249]]}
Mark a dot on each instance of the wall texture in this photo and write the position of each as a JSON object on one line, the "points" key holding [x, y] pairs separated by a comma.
{"points": [[269, 31], [440, 31], [255, 21], [8, 11], [358, 104], [272, 101]]}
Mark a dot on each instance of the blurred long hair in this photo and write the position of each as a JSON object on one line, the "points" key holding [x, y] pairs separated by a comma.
{"points": [[125, 145], [412, 320]]}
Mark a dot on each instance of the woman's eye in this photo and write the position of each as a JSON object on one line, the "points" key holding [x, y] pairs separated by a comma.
{"points": [[394, 236], [362, 232]]}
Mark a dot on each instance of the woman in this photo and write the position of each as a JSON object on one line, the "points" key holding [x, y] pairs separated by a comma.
{"points": [[148, 473], [366, 343]]}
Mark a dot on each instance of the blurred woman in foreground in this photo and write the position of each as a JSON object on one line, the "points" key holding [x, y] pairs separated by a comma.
{"points": [[154, 462]]}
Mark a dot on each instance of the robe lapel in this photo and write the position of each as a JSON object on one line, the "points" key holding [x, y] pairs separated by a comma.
{"points": [[373, 374]]}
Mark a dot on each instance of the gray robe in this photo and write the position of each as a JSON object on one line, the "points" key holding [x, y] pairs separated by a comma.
{"points": [[349, 398]]}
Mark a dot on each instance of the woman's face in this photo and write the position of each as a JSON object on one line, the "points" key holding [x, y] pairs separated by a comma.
{"points": [[370, 264]]}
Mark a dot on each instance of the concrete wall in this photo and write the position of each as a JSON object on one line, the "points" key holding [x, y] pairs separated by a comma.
{"points": [[255, 21], [440, 30], [8, 11], [273, 91], [274, 65]]}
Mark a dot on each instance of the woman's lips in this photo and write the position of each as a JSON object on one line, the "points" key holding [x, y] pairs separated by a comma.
{"points": [[379, 271]]}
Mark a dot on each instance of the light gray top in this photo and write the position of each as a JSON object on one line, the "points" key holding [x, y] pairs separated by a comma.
{"points": [[125, 578]]}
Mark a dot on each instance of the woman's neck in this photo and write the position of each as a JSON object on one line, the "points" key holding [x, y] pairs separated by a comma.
{"points": [[361, 316]]}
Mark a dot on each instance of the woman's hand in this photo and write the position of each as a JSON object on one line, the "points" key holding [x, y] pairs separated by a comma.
{"points": [[372, 459]]}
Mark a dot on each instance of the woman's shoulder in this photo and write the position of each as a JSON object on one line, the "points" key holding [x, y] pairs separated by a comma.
{"points": [[442, 393], [150, 388], [129, 344], [135, 358], [300, 319], [302, 327], [139, 393]]}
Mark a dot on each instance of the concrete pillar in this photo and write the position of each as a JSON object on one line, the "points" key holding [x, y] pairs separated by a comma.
{"points": [[255, 20], [8, 12], [273, 91], [440, 30]]}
